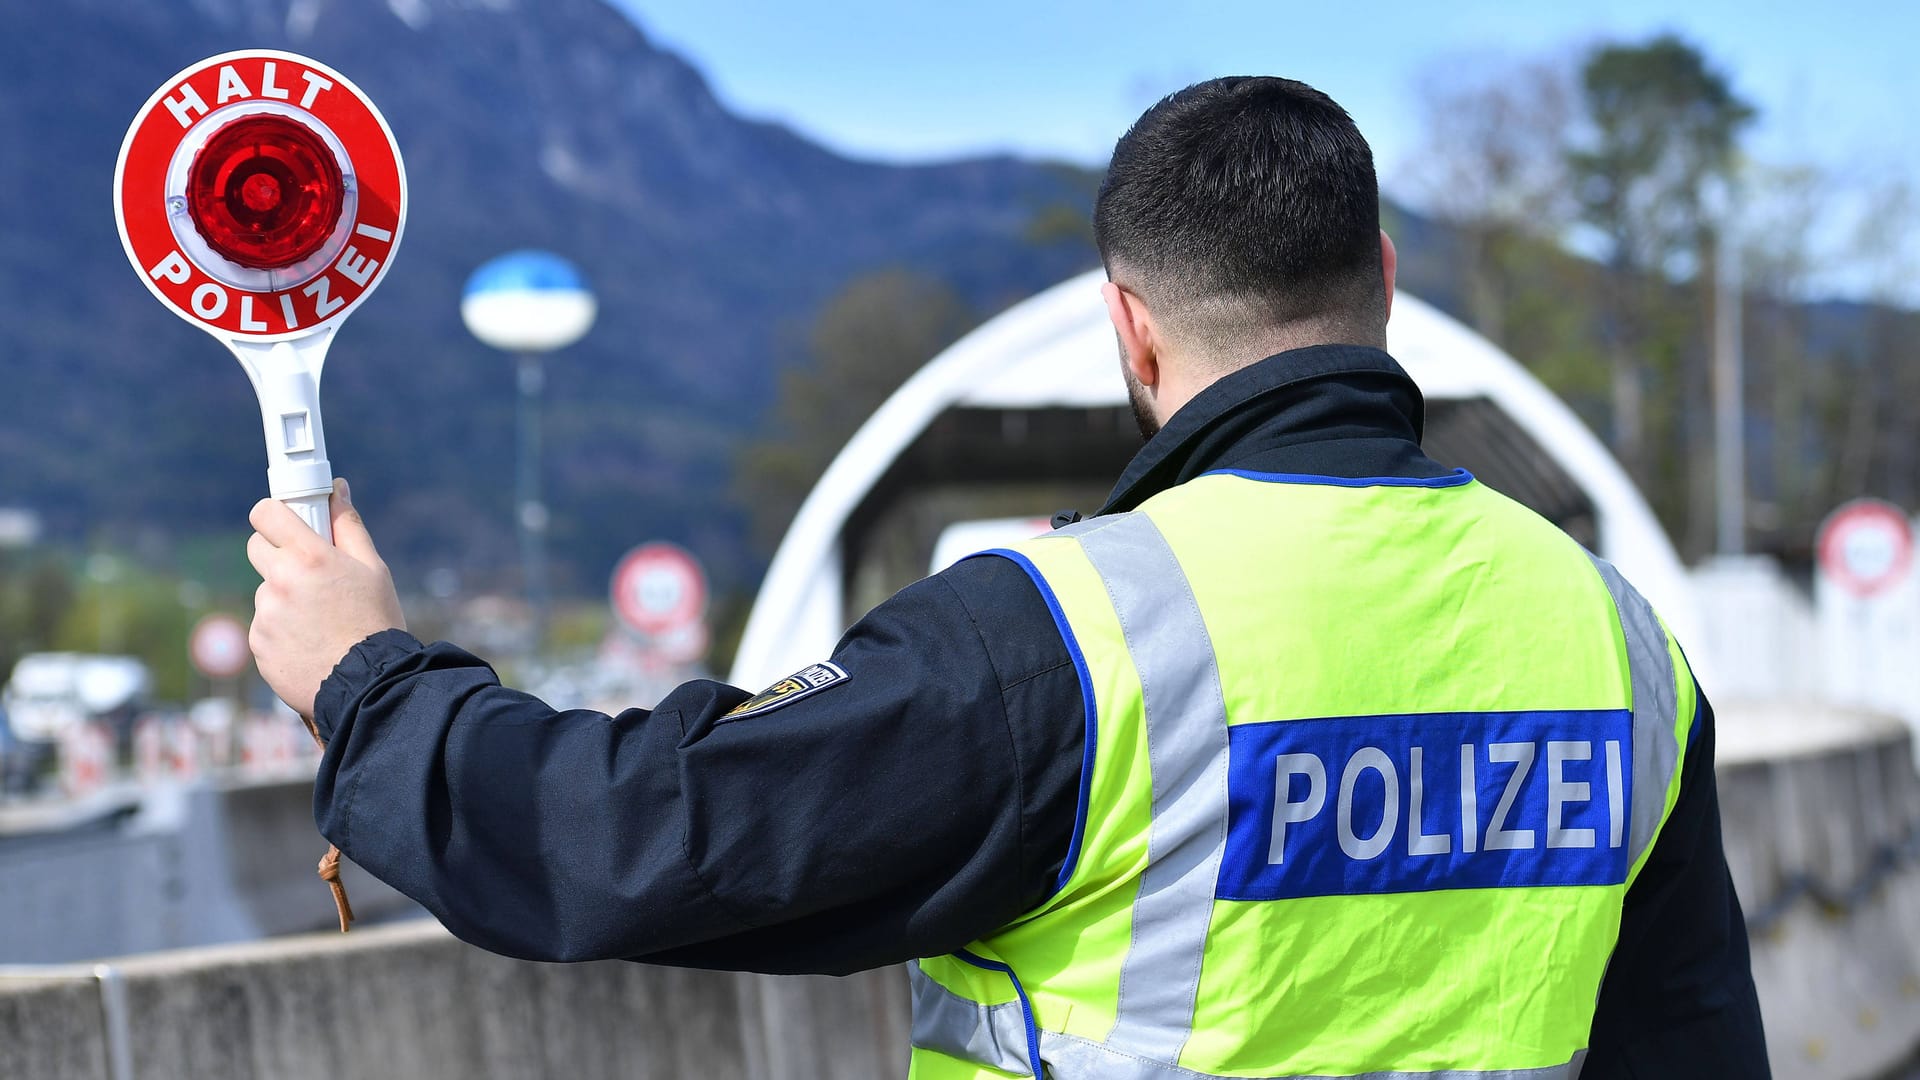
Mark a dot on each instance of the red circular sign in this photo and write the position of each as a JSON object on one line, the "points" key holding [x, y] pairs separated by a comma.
{"points": [[219, 646], [682, 645], [260, 195], [659, 588], [1866, 546]]}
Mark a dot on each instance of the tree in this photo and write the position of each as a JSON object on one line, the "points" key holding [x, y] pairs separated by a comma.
{"points": [[865, 342], [1494, 164], [1635, 155], [1664, 128], [121, 607], [1781, 214], [36, 589], [1885, 382]]}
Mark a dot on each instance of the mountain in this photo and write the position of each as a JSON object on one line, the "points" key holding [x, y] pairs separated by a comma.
{"points": [[710, 239]]}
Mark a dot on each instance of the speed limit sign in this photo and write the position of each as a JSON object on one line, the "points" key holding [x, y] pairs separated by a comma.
{"points": [[1866, 547], [659, 588], [218, 646]]}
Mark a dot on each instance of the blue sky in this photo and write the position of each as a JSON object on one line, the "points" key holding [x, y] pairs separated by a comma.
{"points": [[909, 81]]}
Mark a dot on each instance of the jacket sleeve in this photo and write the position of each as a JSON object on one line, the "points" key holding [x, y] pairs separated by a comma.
{"points": [[1678, 999], [890, 814]]}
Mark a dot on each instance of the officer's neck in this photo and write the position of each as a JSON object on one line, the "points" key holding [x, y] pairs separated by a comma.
{"points": [[1190, 372]]}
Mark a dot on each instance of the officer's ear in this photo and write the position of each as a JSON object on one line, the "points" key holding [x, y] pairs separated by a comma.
{"points": [[1389, 262], [1139, 336]]}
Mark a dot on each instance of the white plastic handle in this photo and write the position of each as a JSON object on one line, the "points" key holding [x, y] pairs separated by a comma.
{"points": [[286, 381], [313, 510]]}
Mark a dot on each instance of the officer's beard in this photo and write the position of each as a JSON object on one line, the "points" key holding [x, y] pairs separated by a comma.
{"points": [[1138, 398]]}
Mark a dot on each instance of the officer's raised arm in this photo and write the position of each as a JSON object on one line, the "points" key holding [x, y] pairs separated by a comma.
{"points": [[871, 808]]}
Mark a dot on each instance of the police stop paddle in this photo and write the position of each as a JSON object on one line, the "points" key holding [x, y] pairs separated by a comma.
{"points": [[260, 196]]}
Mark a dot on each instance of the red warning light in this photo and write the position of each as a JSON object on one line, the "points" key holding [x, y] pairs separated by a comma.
{"points": [[265, 192]]}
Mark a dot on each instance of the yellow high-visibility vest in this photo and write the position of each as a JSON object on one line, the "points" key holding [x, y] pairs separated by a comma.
{"points": [[1370, 765]]}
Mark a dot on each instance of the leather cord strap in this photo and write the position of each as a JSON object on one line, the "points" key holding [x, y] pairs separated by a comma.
{"points": [[330, 862]]}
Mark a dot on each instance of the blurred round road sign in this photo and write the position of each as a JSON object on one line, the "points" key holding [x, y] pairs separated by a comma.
{"points": [[219, 646], [683, 645], [659, 588], [1866, 546], [260, 195], [527, 302]]}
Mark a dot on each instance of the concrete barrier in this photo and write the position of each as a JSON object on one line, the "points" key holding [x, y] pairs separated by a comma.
{"points": [[1821, 812], [52, 1026], [172, 868], [410, 1001]]}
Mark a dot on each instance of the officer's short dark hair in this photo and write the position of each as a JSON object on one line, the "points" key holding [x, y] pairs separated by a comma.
{"points": [[1245, 203]]}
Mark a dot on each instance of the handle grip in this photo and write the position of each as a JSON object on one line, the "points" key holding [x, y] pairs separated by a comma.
{"points": [[315, 511], [286, 380]]}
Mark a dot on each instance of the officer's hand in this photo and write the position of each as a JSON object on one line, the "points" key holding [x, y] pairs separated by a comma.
{"points": [[316, 600]]}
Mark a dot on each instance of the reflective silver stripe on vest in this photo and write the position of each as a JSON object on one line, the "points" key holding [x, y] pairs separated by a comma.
{"points": [[1186, 722], [1655, 708], [990, 1035], [1070, 1058]]}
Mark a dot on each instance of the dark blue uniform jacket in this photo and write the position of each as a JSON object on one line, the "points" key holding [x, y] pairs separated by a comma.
{"points": [[923, 802]]}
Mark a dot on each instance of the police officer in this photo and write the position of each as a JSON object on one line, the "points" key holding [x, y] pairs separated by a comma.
{"points": [[1306, 755]]}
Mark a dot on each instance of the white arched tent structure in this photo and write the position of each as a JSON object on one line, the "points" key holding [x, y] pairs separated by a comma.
{"points": [[1054, 354]]}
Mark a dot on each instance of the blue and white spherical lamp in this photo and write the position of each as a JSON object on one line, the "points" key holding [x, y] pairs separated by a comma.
{"points": [[528, 302]]}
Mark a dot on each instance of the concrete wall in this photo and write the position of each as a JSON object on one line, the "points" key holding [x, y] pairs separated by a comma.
{"points": [[1758, 639], [51, 1026], [409, 1001], [1765, 639], [1820, 813], [178, 867]]}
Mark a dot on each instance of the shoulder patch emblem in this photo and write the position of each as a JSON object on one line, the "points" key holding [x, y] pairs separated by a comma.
{"points": [[806, 682]]}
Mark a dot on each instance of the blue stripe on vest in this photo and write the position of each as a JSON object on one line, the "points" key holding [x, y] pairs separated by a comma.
{"points": [[1390, 804], [1456, 478], [1091, 741]]}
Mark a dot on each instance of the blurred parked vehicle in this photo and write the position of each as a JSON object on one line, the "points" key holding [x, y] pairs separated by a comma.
{"points": [[13, 760], [51, 694]]}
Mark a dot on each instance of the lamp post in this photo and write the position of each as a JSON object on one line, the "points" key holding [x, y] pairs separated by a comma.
{"points": [[529, 303], [1729, 400]]}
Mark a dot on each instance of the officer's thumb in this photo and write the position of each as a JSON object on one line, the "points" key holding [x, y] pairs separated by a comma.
{"points": [[349, 532]]}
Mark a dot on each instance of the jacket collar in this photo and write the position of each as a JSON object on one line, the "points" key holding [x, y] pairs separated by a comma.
{"points": [[1305, 410]]}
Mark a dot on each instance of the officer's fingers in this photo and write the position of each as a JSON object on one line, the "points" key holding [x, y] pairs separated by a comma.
{"points": [[263, 555], [349, 531], [257, 637], [261, 517], [283, 528]]}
